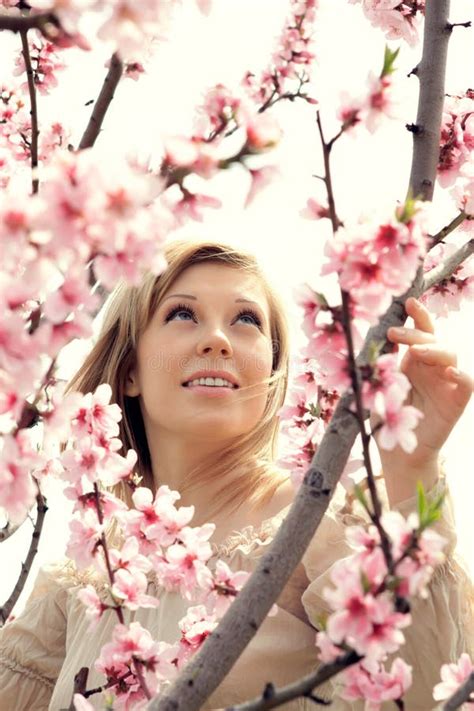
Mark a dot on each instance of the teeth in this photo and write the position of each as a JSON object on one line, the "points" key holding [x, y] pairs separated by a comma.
{"points": [[213, 382]]}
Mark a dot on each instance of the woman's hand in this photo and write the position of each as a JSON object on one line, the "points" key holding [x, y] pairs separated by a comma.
{"points": [[438, 390]]}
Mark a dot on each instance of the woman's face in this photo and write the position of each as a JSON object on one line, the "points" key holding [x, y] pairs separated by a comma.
{"points": [[212, 318]]}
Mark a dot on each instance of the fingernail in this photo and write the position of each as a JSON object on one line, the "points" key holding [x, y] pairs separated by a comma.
{"points": [[455, 372]]}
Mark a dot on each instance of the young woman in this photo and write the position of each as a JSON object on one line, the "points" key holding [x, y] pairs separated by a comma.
{"points": [[212, 313]]}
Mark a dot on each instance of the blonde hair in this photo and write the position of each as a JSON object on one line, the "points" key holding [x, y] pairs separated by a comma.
{"points": [[127, 313]]}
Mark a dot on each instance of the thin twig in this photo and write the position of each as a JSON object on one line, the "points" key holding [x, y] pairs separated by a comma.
{"points": [[453, 225], [463, 694], [303, 687], [33, 110], [26, 566], [103, 102]]}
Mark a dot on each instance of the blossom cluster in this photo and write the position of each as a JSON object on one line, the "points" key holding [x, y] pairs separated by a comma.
{"points": [[292, 59], [448, 294], [45, 62], [377, 102], [398, 20], [456, 154], [153, 542], [374, 261], [369, 607], [105, 214], [127, 25], [202, 157]]}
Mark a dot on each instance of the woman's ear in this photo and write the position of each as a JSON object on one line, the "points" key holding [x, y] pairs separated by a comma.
{"points": [[131, 387]]}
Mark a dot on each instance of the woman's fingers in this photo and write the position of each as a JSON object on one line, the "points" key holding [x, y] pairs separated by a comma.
{"points": [[433, 354], [409, 336], [420, 315], [464, 382]]}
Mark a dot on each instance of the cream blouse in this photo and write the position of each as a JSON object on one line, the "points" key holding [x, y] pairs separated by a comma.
{"points": [[41, 650]]}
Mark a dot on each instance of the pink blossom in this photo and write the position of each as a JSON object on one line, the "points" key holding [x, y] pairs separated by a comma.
{"points": [[260, 178], [128, 558], [185, 559], [195, 628], [263, 132], [399, 421], [96, 415], [221, 589], [17, 488], [448, 294], [314, 210], [453, 675], [457, 138], [328, 650], [73, 293], [131, 645], [45, 62], [94, 605], [130, 589], [399, 20], [83, 543], [189, 205], [370, 681]]}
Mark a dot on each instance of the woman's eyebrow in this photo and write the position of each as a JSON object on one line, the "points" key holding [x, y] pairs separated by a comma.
{"points": [[190, 296]]}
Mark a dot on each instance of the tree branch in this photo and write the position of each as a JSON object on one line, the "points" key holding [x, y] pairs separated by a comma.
{"points": [[448, 267], [33, 110], [46, 22], [26, 566], [103, 102], [462, 695], [431, 72]]}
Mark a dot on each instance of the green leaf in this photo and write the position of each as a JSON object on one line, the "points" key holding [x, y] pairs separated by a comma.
{"points": [[421, 501], [375, 349], [388, 61], [405, 213], [321, 299], [360, 496]]}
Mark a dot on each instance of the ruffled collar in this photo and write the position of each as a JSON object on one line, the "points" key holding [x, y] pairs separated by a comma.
{"points": [[249, 537]]}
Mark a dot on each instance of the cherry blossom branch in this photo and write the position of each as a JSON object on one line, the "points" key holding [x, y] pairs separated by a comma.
{"points": [[118, 610], [463, 694], [353, 370], [271, 697], [26, 566], [448, 266], [8, 530], [431, 73], [103, 102], [447, 229], [33, 110]]}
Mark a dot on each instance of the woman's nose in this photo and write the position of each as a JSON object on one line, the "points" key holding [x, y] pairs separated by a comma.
{"points": [[216, 342]]}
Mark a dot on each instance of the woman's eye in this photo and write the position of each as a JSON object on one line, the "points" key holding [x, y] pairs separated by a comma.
{"points": [[182, 308], [250, 314], [178, 310]]}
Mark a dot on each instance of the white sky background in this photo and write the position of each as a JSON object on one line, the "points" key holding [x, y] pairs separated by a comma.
{"points": [[369, 172]]}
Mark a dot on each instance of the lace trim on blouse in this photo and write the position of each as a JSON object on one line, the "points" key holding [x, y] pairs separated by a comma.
{"points": [[13, 666]]}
